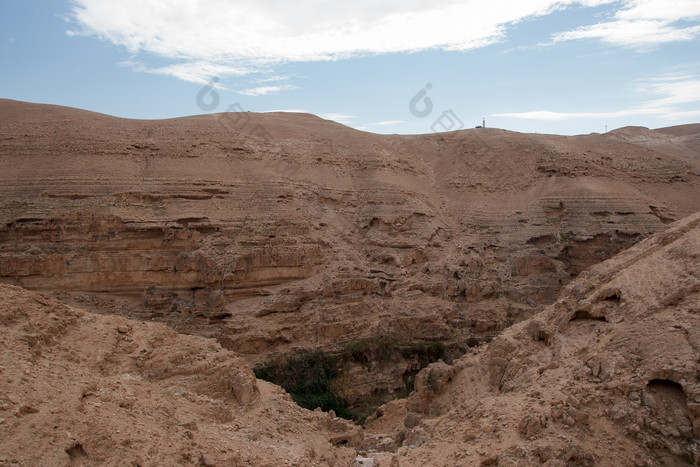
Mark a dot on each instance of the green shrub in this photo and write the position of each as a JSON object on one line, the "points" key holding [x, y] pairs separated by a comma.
{"points": [[427, 353], [364, 351], [308, 379]]}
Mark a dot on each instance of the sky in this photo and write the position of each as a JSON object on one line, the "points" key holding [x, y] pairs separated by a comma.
{"points": [[385, 66]]}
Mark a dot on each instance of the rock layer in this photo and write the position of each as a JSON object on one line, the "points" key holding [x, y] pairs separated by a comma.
{"points": [[278, 233]]}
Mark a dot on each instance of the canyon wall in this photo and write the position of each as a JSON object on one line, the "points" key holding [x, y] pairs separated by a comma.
{"points": [[280, 233]]}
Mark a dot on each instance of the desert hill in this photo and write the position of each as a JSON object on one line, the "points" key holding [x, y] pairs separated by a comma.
{"points": [[606, 375], [279, 234]]}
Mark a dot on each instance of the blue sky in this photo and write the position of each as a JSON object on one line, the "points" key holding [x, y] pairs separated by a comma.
{"points": [[566, 67]]}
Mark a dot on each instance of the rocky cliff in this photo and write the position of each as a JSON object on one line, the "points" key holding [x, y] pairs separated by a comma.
{"points": [[607, 375], [279, 233]]}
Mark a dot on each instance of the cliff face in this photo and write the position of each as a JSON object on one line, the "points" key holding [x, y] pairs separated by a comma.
{"points": [[276, 233], [607, 375]]}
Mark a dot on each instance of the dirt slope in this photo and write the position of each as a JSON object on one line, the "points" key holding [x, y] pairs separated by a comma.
{"points": [[83, 389], [607, 375]]}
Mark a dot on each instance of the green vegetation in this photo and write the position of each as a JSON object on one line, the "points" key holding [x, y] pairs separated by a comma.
{"points": [[365, 351], [426, 353], [309, 377], [433, 384]]}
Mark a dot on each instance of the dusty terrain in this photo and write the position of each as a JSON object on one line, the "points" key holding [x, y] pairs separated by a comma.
{"points": [[279, 234], [607, 375], [78, 388]]}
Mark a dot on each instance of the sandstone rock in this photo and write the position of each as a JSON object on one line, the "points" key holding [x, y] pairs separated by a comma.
{"points": [[557, 411], [433, 378], [187, 227], [417, 436], [386, 460], [386, 444], [531, 425], [573, 401], [555, 463], [78, 395], [649, 400], [412, 419], [276, 246], [27, 409], [191, 425], [619, 411], [364, 461], [694, 409], [490, 460], [353, 437]]}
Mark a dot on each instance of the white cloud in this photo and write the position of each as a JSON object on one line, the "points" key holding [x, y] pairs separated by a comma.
{"points": [[675, 91], [271, 78], [684, 115], [199, 71], [245, 36], [643, 24], [266, 90], [340, 118], [545, 115], [386, 123], [638, 34], [667, 10]]}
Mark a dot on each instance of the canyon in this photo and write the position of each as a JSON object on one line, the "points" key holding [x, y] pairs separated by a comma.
{"points": [[265, 237]]}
